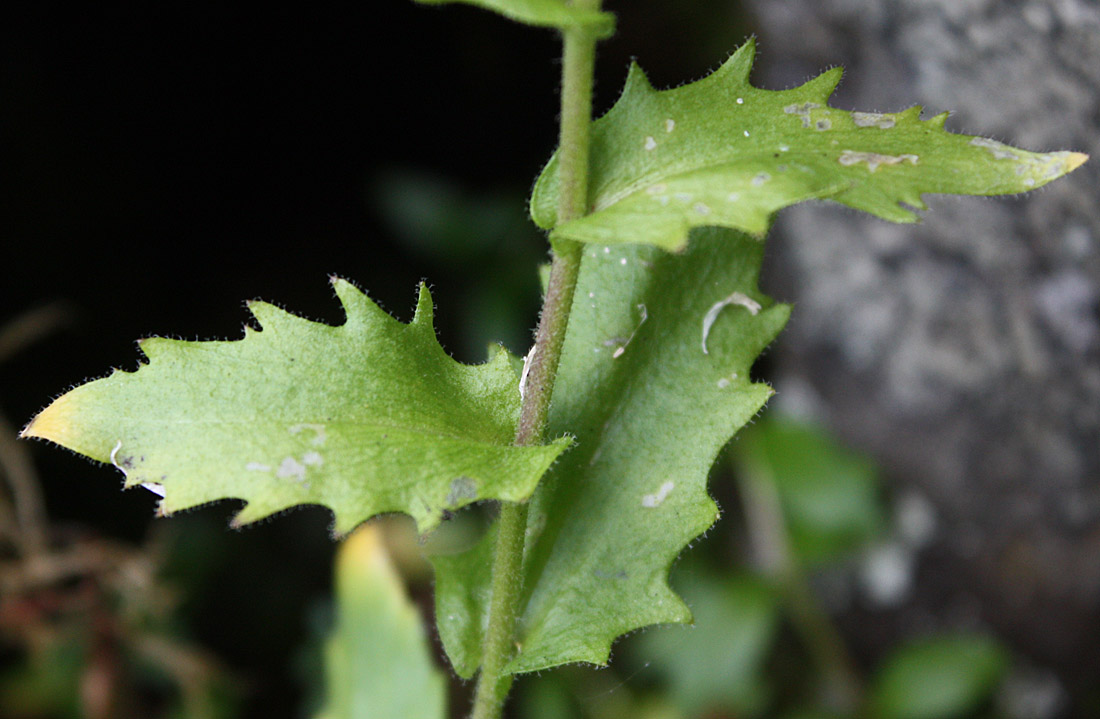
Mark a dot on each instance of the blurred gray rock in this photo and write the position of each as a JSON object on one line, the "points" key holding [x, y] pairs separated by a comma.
{"points": [[964, 352]]}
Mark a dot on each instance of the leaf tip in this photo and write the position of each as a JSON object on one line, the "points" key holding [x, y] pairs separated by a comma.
{"points": [[938, 121], [636, 81], [425, 309], [1075, 160], [54, 423]]}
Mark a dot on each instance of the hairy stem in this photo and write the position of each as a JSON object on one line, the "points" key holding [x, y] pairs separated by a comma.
{"points": [[578, 61]]}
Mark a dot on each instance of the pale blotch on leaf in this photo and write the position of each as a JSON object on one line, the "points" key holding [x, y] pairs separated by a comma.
{"points": [[874, 160], [873, 119], [655, 499]]}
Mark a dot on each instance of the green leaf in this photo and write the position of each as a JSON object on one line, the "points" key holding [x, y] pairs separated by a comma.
{"points": [[649, 410], [368, 417], [544, 13], [378, 662], [938, 678], [721, 152], [829, 495]]}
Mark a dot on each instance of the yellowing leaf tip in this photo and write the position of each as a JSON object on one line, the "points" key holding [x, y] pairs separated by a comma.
{"points": [[1075, 160], [53, 423]]}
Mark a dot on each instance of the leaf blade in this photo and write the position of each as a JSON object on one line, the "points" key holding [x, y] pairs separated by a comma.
{"points": [[368, 417], [719, 152], [649, 411]]}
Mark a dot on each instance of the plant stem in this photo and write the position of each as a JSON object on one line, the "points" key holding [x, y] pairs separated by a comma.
{"points": [[578, 61], [841, 682]]}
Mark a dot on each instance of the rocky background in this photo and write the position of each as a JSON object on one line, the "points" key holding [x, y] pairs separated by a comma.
{"points": [[963, 353]]}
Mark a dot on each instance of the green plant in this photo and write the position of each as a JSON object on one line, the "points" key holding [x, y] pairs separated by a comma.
{"points": [[645, 344]]}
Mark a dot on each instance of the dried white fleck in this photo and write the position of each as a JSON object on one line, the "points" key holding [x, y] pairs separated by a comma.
{"points": [[291, 468], [872, 119], [999, 150], [257, 467], [873, 159], [740, 101], [760, 179], [318, 430], [650, 143], [802, 110], [746, 133], [643, 316], [655, 499], [670, 125], [701, 209], [736, 298], [114, 454], [527, 366]]}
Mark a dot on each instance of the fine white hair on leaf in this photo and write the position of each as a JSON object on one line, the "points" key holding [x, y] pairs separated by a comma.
{"points": [[736, 298]]}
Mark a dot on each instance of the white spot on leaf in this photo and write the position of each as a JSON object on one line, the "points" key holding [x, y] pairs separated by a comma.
{"points": [[873, 159], [318, 430], [527, 366], [114, 455], [655, 499], [740, 101], [802, 110], [701, 209], [737, 298], [872, 119], [291, 468], [999, 150], [650, 143], [257, 467], [760, 179], [644, 315], [670, 125]]}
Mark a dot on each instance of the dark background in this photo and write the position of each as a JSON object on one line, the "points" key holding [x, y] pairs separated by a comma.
{"points": [[162, 164]]}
